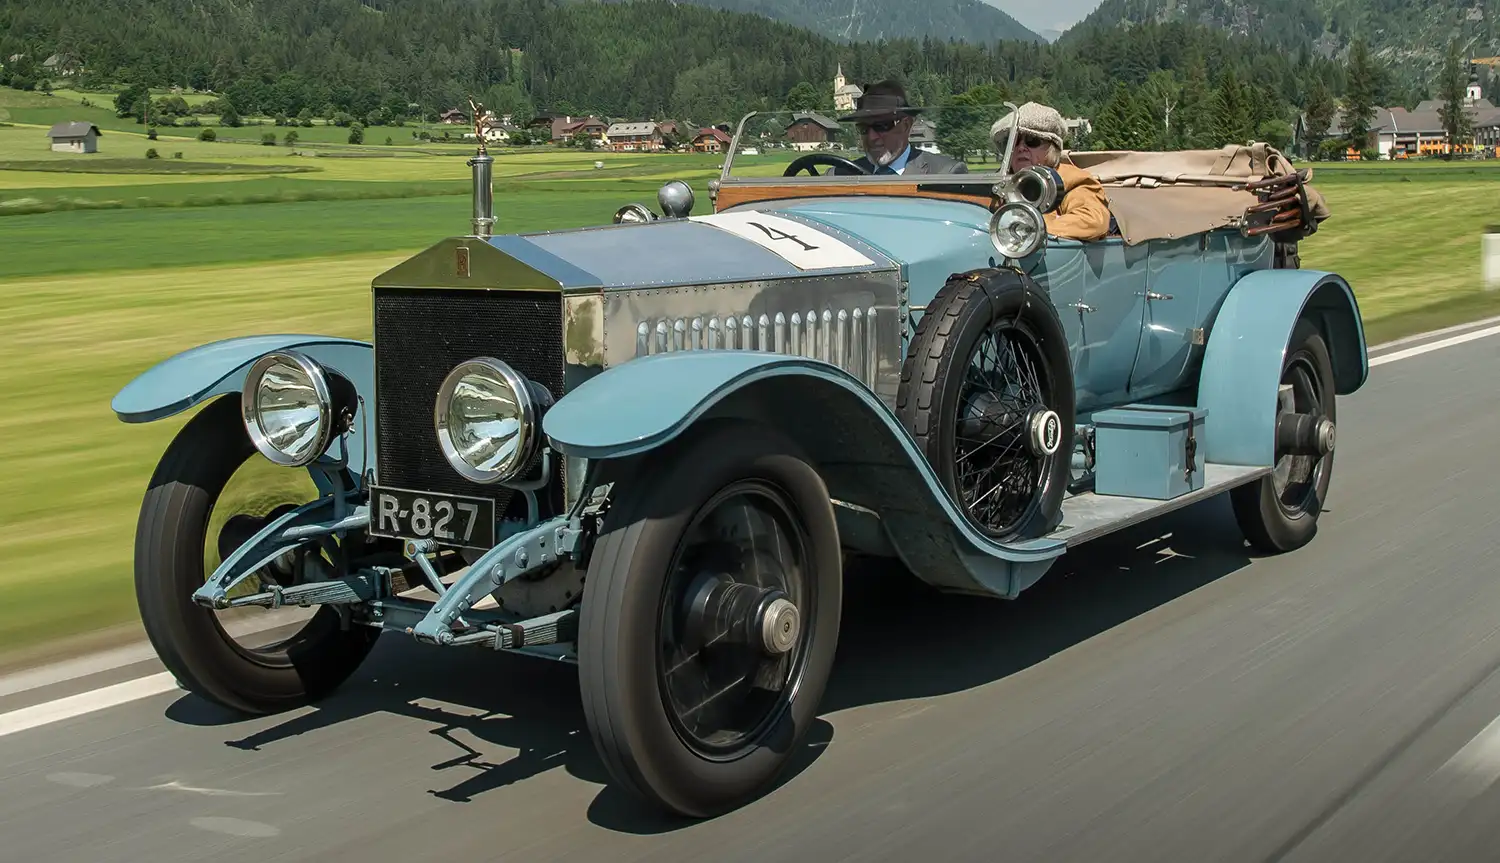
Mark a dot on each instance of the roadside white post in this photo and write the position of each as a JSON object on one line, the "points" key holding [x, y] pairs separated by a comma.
{"points": [[1491, 255]]}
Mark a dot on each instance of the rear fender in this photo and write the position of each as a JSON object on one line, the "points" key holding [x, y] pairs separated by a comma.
{"points": [[197, 375], [1247, 346], [865, 456]]}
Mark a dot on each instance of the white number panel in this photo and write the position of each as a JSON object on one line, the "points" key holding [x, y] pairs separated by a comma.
{"points": [[802, 246]]}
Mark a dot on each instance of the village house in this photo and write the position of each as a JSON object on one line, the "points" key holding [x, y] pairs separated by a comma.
{"points": [[634, 137], [712, 140], [565, 128], [675, 129], [64, 65], [454, 116], [1396, 133], [74, 137], [924, 137], [810, 131]]}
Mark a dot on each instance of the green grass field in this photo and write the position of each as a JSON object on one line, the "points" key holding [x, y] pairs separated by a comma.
{"points": [[105, 271]]}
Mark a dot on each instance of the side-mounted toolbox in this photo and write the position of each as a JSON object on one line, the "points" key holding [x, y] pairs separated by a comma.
{"points": [[1149, 451]]}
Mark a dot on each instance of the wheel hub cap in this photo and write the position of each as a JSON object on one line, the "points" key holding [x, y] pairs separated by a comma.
{"points": [[1045, 432], [780, 624]]}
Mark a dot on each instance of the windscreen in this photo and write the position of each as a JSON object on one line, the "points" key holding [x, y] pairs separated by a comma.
{"points": [[836, 147]]}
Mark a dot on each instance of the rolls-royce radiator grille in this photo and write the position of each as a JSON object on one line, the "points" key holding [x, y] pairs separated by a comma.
{"points": [[420, 335]]}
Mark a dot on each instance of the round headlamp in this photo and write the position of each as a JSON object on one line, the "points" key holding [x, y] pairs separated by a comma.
{"points": [[486, 420], [632, 213], [287, 408], [1018, 229]]}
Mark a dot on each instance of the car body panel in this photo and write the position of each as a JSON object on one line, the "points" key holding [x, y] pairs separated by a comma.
{"points": [[197, 375], [1098, 289], [930, 239], [1242, 365], [868, 459]]}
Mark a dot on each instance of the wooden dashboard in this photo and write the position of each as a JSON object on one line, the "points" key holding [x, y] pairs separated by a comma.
{"points": [[736, 194]]}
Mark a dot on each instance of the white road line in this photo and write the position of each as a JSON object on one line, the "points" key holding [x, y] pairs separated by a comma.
{"points": [[1477, 764], [86, 702], [1482, 755], [72, 669], [1422, 337], [1435, 346]]}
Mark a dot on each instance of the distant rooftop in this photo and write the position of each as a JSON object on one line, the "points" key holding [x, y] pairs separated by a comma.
{"points": [[73, 129]]}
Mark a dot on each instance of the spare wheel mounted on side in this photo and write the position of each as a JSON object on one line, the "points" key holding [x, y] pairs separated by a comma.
{"points": [[987, 392]]}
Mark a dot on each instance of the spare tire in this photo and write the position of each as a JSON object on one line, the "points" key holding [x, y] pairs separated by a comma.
{"points": [[987, 392]]}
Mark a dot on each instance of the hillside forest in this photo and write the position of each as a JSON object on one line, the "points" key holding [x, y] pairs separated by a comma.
{"points": [[382, 62]]}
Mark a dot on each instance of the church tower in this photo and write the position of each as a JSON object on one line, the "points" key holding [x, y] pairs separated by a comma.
{"points": [[844, 93]]}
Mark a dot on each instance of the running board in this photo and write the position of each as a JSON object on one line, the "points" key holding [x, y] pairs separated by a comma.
{"points": [[1090, 516]]}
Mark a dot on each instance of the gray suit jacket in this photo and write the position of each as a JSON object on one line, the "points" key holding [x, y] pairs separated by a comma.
{"points": [[921, 162]]}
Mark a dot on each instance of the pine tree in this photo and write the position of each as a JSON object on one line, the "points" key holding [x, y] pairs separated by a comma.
{"points": [[1112, 126], [1359, 96], [1319, 111], [1454, 93], [1193, 118], [1230, 111]]}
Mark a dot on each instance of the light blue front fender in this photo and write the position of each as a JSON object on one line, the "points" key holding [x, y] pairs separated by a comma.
{"points": [[865, 456], [184, 381], [1247, 345]]}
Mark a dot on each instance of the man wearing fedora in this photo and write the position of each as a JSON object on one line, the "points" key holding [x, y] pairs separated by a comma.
{"points": [[884, 121], [1083, 212]]}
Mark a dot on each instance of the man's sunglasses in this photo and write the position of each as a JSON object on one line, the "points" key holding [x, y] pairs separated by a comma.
{"points": [[882, 127]]}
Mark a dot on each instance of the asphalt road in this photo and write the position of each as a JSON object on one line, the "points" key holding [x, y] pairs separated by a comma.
{"points": [[1161, 696]]}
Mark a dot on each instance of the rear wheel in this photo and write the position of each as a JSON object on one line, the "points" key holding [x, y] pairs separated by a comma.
{"points": [[1280, 511], [710, 618], [174, 551]]}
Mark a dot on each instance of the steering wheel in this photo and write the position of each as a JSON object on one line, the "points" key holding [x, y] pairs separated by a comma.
{"points": [[812, 159]]}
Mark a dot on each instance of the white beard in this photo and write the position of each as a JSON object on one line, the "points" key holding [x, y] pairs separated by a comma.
{"points": [[886, 159]]}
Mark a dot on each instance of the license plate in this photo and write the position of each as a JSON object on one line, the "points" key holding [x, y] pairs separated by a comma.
{"points": [[444, 518]]}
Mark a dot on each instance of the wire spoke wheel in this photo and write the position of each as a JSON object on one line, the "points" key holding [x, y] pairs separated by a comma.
{"points": [[998, 467], [987, 394], [721, 686]]}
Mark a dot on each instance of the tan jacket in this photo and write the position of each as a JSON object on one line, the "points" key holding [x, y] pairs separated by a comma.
{"points": [[1083, 213]]}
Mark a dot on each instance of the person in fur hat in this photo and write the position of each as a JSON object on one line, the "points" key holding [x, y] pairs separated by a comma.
{"points": [[1083, 212]]}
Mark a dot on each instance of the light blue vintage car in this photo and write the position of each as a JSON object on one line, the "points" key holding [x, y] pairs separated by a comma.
{"points": [[648, 447]]}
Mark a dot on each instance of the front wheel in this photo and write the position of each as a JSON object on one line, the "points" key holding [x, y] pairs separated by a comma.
{"points": [[190, 494], [1279, 512], [710, 618]]}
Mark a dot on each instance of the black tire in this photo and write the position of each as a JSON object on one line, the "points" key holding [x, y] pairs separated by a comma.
{"points": [[169, 566], [1276, 520], [933, 380], [632, 577]]}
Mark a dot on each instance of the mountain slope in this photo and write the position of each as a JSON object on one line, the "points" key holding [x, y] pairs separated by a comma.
{"points": [[1409, 37], [872, 20], [1050, 19]]}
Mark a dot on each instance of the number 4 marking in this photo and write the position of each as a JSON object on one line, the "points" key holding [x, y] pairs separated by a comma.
{"points": [[777, 234], [800, 245]]}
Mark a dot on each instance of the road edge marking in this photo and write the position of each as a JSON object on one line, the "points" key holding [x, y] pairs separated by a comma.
{"points": [[27, 718], [1419, 350]]}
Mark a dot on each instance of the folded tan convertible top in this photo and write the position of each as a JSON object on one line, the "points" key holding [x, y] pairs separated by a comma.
{"points": [[1166, 195]]}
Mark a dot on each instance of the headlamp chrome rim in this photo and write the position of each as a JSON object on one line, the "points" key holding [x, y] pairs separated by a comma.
{"points": [[526, 427], [250, 407], [1033, 215], [633, 214]]}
